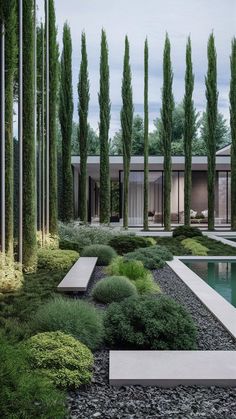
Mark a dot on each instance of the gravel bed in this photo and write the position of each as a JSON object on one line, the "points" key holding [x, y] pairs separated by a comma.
{"points": [[100, 400]]}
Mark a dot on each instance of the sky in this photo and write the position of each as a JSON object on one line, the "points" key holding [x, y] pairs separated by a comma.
{"points": [[151, 18]]}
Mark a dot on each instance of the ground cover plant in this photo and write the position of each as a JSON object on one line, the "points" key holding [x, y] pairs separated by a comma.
{"points": [[113, 288], [124, 243], [196, 248], [56, 259], [186, 231], [104, 253], [11, 277], [153, 257]]}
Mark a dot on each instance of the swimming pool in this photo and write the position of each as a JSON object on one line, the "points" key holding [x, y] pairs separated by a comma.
{"points": [[220, 275]]}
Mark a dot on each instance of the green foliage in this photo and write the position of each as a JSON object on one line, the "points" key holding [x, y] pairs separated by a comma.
{"points": [[104, 253], [222, 134], [69, 245], [152, 257], [25, 393], [147, 323], [11, 277], [137, 139], [61, 358], [56, 260], [186, 231], [125, 243], [196, 248], [146, 145], [75, 317], [232, 97], [216, 248], [113, 288]]}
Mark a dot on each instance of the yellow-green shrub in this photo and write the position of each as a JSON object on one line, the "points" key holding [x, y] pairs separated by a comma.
{"points": [[56, 260], [11, 277], [196, 248]]}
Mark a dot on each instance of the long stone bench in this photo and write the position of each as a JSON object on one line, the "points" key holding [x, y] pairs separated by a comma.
{"points": [[172, 368], [78, 277]]}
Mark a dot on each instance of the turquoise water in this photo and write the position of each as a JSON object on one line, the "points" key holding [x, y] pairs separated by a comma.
{"points": [[232, 239], [220, 275]]}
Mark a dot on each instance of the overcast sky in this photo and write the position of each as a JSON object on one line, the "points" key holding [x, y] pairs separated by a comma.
{"points": [[151, 18]]}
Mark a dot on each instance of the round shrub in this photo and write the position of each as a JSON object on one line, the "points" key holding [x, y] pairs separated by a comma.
{"points": [[56, 260], [104, 253], [152, 257], [113, 288], [149, 323], [75, 317], [124, 243], [62, 358], [132, 269], [186, 231]]}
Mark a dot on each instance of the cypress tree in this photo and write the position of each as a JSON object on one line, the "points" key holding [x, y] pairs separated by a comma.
{"points": [[40, 127], [105, 108], [146, 145], [189, 129], [53, 80], [211, 111], [166, 115], [10, 69], [83, 92], [232, 97], [126, 115], [66, 118], [29, 210]]}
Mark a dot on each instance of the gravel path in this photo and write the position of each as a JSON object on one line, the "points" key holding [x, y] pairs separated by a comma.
{"points": [[134, 402]]}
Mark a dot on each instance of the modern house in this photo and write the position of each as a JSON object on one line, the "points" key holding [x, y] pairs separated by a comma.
{"points": [[199, 203]]}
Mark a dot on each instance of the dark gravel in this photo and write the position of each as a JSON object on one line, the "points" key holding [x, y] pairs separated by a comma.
{"points": [[100, 400]]}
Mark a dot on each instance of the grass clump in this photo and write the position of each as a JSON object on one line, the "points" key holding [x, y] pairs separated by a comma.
{"points": [[75, 317], [187, 231], [61, 358], [152, 257], [124, 244], [196, 248], [104, 253], [11, 277], [56, 260], [113, 288], [149, 323]]}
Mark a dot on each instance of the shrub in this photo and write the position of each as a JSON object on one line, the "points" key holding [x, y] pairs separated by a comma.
{"points": [[56, 260], [69, 245], [62, 358], [50, 241], [186, 231], [25, 393], [125, 244], [196, 248], [11, 278], [113, 288], [152, 257], [149, 323], [104, 253], [75, 317]]}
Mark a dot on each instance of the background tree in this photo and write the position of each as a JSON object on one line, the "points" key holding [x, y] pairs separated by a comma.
{"points": [[166, 115], [146, 150], [189, 127], [232, 97], [126, 115], [105, 110], [211, 112], [222, 133], [116, 148], [83, 92], [93, 141], [66, 118]]}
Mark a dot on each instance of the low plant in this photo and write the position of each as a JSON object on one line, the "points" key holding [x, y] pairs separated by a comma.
{"points": [[53, 260], [186, 231], [196, 248], [113, 288], [152, 257], [104, 253], [149, 323], [124, 244], [49, 241], [69, 245], [75, 317], [62, 358], [11, 277]]}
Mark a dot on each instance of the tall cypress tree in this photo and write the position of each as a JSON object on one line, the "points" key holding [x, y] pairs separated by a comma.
{"points": [[232, 97], [166, 114], [189, 128], [146, 146], [83, 92], [105, 109], [10, 68], [211, 111], [29, 210], [53, 80], [126, 115], [66, 118]]}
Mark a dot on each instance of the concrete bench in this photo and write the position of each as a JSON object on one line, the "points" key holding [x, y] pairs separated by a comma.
{"points": [[172, 368], [78, 277]]}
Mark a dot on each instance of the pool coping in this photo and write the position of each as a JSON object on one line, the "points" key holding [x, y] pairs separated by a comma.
{"points": [[222, 237], [215, 303]]}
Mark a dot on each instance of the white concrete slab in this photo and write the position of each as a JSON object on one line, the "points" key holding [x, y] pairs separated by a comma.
{"points": [[218, 237], [78, 277], [172, 368]]}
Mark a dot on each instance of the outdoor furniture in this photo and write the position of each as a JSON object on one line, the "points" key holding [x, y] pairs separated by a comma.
{"points": [[78, 277]]}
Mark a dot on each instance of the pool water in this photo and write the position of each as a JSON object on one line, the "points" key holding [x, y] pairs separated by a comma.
{"points": [[220, 275]]}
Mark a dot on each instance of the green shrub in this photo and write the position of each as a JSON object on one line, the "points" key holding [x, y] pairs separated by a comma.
{"points": [[62, 358], [124, 244], [186, 231], [196, 248], [149, 323], [152, 257], [69, 245], [11, 278], [50, 241], [74, 317], [60, 260], [25, 393], [104, 253], [113, 288]]}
